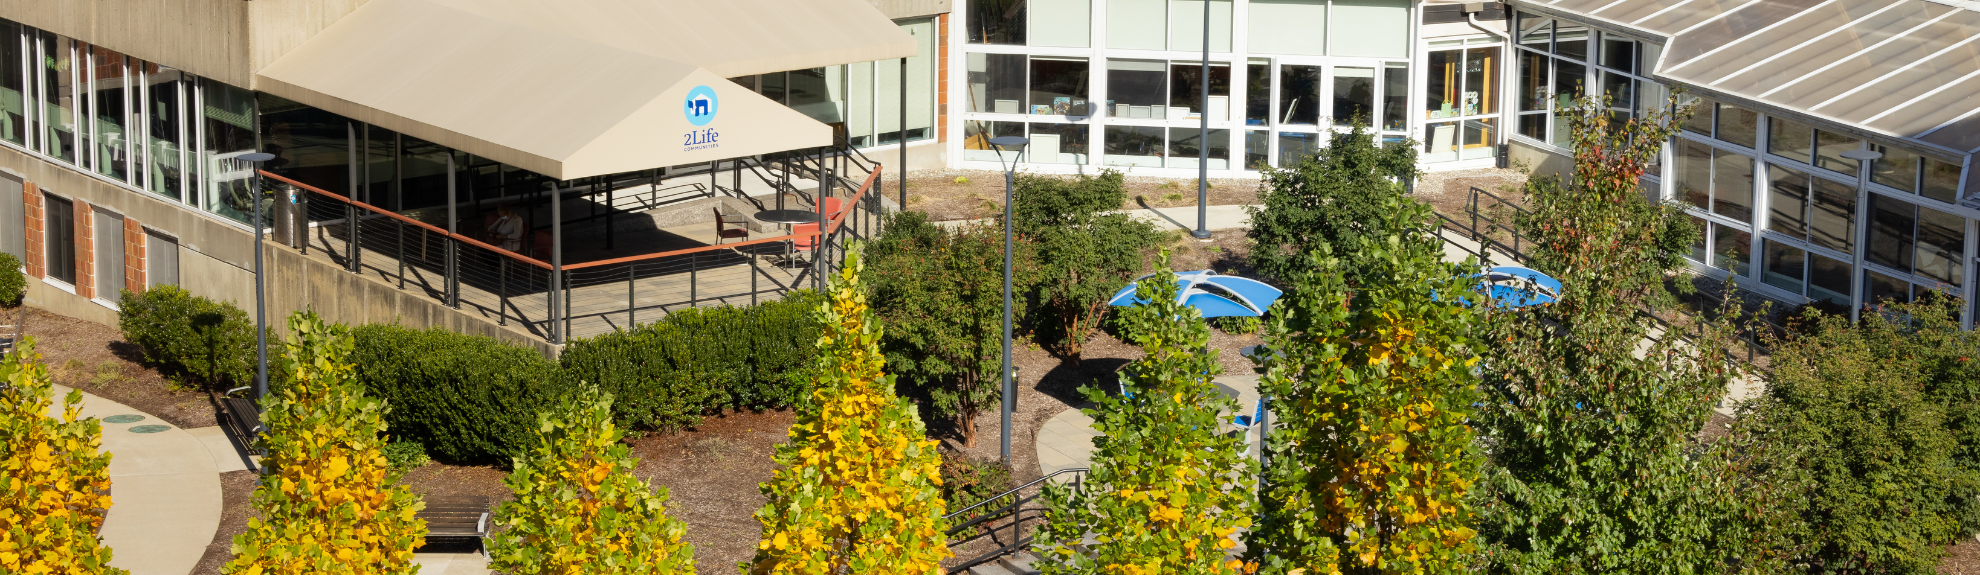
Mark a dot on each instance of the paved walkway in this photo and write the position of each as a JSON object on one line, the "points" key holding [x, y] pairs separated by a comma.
{"points": [[164, 488], [1066, 440]]}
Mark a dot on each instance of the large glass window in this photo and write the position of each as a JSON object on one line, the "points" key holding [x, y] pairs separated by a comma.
{"points": [[58, 218], [1732, 248], [1058, 86], [1801, 272], [1186, 90], [1135, 146], [58, 90], [1927, 243], [996, 83], [164, 96], [1461, 140], [1137, 89], [1911, 171], [1395, 97], [1354, 96], [1293, 27], [996, 21], [821, 94], [1257, 149], [976, 140], [1185, 147], [1790, 140], [1138, 24], [1058, 144], [1715, 180], [1299, 95], [108, 87], [1463, 83], [309, 145], [1829, 147], [1257, 93], [1295, 147], [920, 88], [1535, 94], [13, 77], [228, 132]]}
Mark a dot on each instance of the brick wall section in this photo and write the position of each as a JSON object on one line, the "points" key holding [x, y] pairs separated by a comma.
{"points": [[37, 250], [133, 255], [942, 78], [85, 250]]}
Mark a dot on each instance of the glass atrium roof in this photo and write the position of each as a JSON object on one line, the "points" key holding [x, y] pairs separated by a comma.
{"points": [[1905, 68]]}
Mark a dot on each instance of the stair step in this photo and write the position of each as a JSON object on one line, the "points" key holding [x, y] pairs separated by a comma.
{"points": [[1020, 563], [990, 569]]}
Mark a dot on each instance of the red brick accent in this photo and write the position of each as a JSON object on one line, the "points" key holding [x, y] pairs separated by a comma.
{"points": [[942, 78], [37, 249], [85, 250], [133, 255]]}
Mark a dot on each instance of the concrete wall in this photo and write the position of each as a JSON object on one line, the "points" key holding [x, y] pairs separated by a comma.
{"points": [[898, 9], [1540, 160], [205, 37]]}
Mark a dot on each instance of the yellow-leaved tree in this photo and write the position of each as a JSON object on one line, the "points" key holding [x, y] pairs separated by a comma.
{"points": [[858, 489], [329, 505], [578, 507], [54, 478], [1170, 487]]}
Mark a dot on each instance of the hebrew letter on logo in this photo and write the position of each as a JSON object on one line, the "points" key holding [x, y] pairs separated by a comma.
{"points": [[702, 106]]}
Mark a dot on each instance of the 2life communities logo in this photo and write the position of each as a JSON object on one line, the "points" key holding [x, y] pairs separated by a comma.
{"points": [[701, 108]]}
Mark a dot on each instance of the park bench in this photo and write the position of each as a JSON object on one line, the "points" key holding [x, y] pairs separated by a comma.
{"points": [[246, 417], [457, 517]]}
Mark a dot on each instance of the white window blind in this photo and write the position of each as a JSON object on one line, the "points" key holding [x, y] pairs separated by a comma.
{"points": [[1371, 28], [1186, 32], [1288, 27], [1065, 23], [859, 103], [108, 235], [1138, 24], [921, 83]]}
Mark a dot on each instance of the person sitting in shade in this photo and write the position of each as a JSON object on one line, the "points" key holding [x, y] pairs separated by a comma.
{"points": [[507, 229]]}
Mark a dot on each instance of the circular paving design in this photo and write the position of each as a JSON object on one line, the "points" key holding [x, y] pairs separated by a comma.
{"points": [[126, 418], [150, 428]]}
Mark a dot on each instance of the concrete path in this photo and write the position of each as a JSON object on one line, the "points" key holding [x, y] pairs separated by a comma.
{"points": [[1066, 440], [164, 489], [451, 563]]}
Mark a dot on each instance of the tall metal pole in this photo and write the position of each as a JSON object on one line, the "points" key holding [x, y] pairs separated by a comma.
{"points": [[1010, 388], [260, 299], [556, 259], [903, 138], [1203, 141]]}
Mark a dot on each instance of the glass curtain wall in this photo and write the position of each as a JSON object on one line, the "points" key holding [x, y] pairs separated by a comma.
{"points": [[13, 84], [1560, 60], [1309, 68], [862, 101]]}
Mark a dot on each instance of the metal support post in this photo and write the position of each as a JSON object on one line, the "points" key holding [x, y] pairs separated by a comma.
{"points": [[556, 258], [453, 246], [903, 138], [1203, 140]]}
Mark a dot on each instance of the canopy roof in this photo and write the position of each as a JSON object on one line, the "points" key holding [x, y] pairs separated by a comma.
{"points": [[1907, 69], [576, 88]]}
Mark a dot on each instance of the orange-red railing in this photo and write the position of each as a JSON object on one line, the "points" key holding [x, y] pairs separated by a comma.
{"points": [[426, 226]]}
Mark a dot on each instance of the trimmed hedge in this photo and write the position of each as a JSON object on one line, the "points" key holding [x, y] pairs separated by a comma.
{"points": [[13, 283], [467, 399], [211, 341], [665, 375]]}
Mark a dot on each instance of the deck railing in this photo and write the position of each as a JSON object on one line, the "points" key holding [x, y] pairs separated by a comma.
{"points": [[524, 289]]}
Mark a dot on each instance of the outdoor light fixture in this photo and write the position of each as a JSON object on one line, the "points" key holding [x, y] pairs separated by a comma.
{"points": [[1010, 389], [260, 301]]}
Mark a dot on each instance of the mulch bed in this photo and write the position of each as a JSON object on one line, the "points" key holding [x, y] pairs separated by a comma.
{"points": [[94, 358]]}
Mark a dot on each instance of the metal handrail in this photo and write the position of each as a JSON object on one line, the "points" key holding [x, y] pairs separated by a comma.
{"points": [[1014, 510]]}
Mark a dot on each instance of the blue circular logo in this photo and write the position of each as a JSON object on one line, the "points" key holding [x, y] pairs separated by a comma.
{"points": [[701, 105]]}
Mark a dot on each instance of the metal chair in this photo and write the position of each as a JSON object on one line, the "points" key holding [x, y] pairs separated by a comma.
{"points": [[722, 229]]}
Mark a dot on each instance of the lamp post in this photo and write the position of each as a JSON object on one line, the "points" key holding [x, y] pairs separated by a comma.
{"points": [[260, 300], [1202, 232], [1010, 388]]}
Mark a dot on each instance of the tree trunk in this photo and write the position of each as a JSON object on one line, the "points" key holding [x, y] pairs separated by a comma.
{"points": [[967, 421]]}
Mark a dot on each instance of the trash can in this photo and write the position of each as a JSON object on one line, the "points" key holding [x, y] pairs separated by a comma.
{"points": [[290, 225]]}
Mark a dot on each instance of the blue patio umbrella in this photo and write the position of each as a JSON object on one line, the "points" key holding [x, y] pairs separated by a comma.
{"points": [[1212, 294], [1517, 287]]}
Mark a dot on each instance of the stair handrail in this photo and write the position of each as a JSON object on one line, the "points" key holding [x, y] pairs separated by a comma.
{"points": [[1014, 509]]}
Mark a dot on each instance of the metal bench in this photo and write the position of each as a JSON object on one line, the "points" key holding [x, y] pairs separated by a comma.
{"points": [[457, 517], [246, 417]]}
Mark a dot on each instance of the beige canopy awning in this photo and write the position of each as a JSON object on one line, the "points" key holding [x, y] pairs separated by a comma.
{"points": [[577, 88]]}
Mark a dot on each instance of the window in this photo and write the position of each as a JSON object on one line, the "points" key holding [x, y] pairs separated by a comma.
{"points": [[1294, 27], [13, 78], [996, 83], [58, 218], [108, 240], [1296, 147], [1299, 95], [112, 147], [1395, 96], [1790, 140], [996, 21], [1137, 89], [1135, 146], [1798, 271], [1186, 90], [1354, 96], [1829, 147], [1058, 86], [1461, 140], [1618, 53], [13, 219], [161, 260], [1571, 41], [310, 145], [1912, 172], [1927, 243], [1370, 28], [1138, 24], [1463, 83], [58, 92], [1257, 93], [1067, 23], [1186, 25], [1057, 144], [775, 86], [1733, 248], [1535, 94], [1816, 210], [228, 133], [1257, 149], [1738, 125], [1570, 79], [1716, 180], [920, 88], [1185, 146], [977, 135], [166, 132]]}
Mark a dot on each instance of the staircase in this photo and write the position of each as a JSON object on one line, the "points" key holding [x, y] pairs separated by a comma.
{"points": [[1019, 563]]}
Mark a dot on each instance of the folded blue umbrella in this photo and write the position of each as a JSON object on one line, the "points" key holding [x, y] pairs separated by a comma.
{"points": [[1212, 294], [1518, 287]]}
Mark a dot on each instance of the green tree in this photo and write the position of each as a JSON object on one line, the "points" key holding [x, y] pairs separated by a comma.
{"points": [[54, 476], [1329, 199], [858, 489], [1168, 490], [1874, 422], [1087, 249], [1372, 455], [330, 506], [579, 508], [940, 294], [1587, 421]]}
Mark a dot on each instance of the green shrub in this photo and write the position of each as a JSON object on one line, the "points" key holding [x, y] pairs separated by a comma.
{"points": [[967, 482], [405, 456], [466, 399], [1238, 325], [210, 342], [13, 283], [665, 375]]}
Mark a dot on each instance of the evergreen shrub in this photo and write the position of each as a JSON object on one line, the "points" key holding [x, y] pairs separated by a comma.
{"points": [[466, 399], [210, 341], [13, 283]]}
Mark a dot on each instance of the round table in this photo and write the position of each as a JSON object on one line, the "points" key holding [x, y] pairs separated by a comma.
{"points": [[787, 216], [1226, 391]]}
